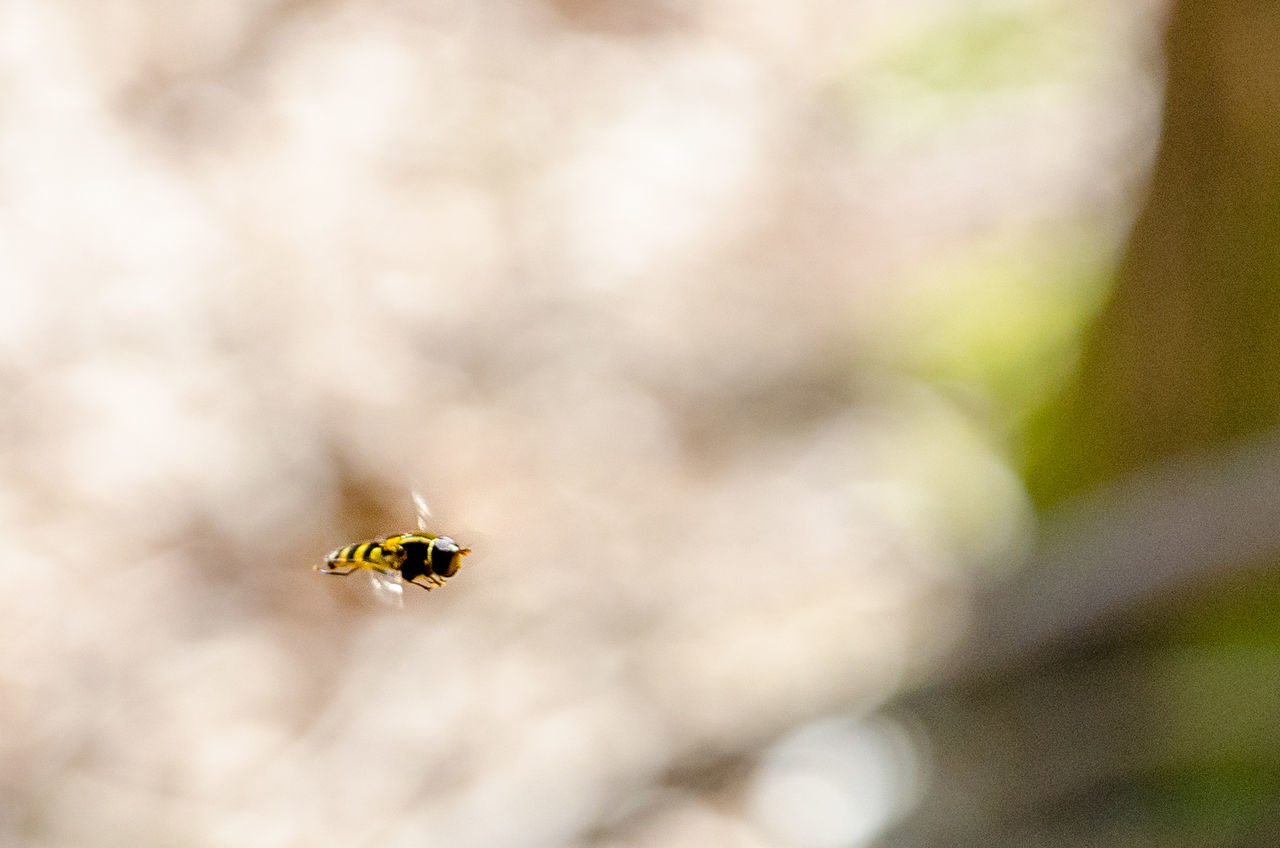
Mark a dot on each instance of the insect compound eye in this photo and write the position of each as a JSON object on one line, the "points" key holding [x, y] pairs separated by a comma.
{"points": [[444, 558]]}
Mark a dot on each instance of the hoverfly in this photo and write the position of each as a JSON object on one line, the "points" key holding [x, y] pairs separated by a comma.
{"points": [[395, 560]]}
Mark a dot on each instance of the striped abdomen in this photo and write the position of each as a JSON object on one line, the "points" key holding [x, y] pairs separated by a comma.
{"points": [[367, 555]]}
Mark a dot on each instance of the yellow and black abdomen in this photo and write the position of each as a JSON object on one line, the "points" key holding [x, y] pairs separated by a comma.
{"points": [[376, 555]]}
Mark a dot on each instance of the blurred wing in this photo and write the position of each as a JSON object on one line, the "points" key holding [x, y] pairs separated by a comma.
{"points": [[424, 511], [387, 587]]}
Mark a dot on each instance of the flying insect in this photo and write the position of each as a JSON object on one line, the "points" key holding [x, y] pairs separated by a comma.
{"points": [[393, 561]]}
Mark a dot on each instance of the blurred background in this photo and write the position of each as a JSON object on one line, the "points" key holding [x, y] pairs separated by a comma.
{"points": [[861, 413]]}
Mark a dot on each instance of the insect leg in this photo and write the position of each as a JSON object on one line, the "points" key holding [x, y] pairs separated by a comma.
{"points": [[329, 568]]}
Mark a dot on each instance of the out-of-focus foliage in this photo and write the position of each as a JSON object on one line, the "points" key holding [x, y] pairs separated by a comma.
{"points": [[1003, 321], [703, 324], [1184, 358], [1122, 688]]}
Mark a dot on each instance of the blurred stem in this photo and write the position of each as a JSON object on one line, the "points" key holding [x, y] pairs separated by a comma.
{"points": [[1186, 355], [1057, 727]]}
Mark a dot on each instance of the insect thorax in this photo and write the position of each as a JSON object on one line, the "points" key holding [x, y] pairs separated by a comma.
{"points": [[417, 554]]}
